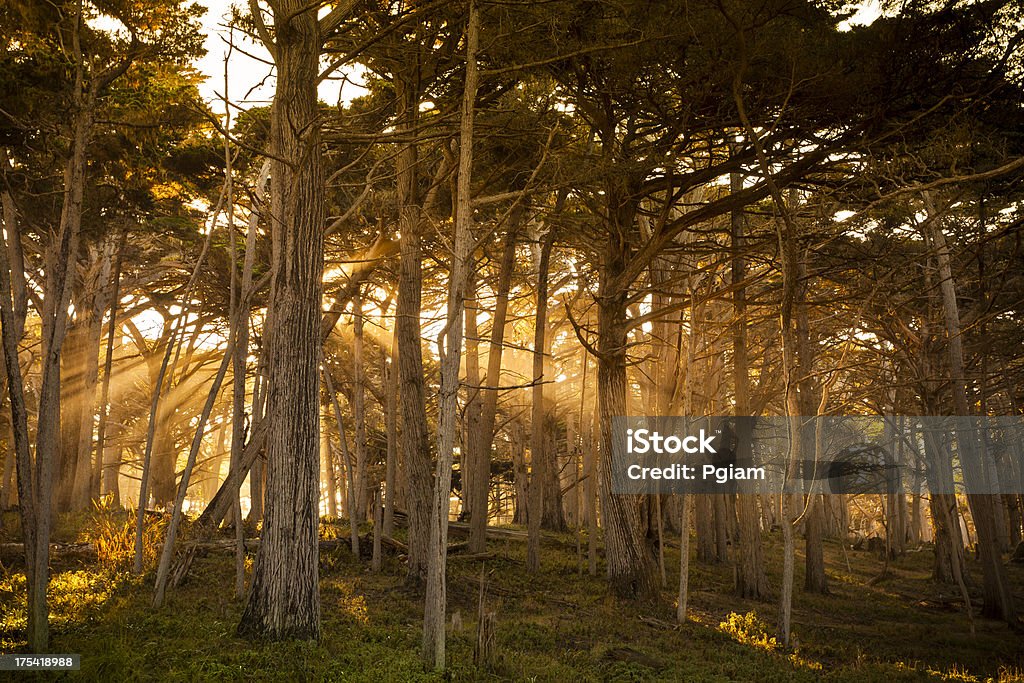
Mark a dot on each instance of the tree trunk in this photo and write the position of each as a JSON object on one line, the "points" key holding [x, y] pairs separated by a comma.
{"points": [[538, 454], [632, 570], [808, 394], [469, 461], [684, 557], [33, 508], [347, 466], [751, 580], [219, 506], [359, 405], [704, 527], [938, 461], [481, 443], [998, 600], [8, 494], [390, 375], [417, 457], [522, 494], [552, 510], [449, 348], [284, 598], [590, 473], [815, 579], [165, 458], [61, 258], [110, 466], [17, 295], [96, 281], [72, 386], [256, 471], [239, 336], [329, 474]]}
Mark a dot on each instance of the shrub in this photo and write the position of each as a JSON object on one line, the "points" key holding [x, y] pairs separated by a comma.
{"points": [[112, 531], [749, 630]]}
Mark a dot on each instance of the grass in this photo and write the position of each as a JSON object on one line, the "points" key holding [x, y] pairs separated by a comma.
{"points": [[556, 626]]}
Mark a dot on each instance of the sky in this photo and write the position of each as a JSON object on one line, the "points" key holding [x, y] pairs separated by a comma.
{"points": [[251, 79], [866, 12], [251, 75]]}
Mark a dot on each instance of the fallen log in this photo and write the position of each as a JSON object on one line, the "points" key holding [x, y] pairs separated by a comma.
{"points": [[85, 551], [496, 532], [394, 544], [654, 622], [492, 531]]}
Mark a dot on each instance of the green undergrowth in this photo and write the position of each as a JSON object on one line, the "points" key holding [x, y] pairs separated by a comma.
{"points": [[558, 625]]}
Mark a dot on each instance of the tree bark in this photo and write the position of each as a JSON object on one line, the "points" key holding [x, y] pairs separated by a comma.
{"points": [[347, 467], [522, 493], [109, 474], [359, 405], [481, 443], [390, 375], [998, 600], [808, 393], [284, 597], [258, 405], [60, 260], [450, 350], [469, 460], [416, 440], [552, 506], [15, 267], [31, 507], [703, 524], [684, 558], [538, 454], [97, 277], [632, 570], [590, 485]]}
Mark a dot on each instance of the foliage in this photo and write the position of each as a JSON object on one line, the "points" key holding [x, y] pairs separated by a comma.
{"points": [[76, 598], [748, 629], [112, 531], [555, 627]]}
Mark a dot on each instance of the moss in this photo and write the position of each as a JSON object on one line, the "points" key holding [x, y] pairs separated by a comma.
{"points": [[555, 626]]}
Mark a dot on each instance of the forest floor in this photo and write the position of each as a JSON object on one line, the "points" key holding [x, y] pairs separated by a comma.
{"points": [[560, 625]]}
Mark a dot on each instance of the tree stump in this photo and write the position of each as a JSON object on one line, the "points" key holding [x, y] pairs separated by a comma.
{"points": [[483, 652]]}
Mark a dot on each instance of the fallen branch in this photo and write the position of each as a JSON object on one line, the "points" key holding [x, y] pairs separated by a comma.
{"points": [[82, 550], [658, 623]]}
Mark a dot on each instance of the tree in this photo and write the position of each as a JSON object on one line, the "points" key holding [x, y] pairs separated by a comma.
{"points": [[449, 345], [81, 67], [284, 598]]}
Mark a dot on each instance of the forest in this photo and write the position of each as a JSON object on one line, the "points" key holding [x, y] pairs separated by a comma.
{"points": [[331, 381]]}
